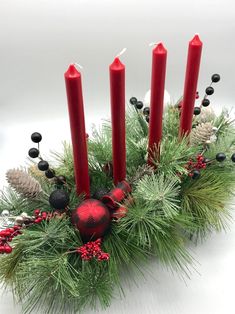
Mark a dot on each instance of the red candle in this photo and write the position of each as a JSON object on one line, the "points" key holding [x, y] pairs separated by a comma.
{"points": [[159, 57], [73, 84], [190, 85], [117, 96]]}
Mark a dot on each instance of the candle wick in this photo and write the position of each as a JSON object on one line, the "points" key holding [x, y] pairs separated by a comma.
{"points": [[121, 52], [78, 65], [154, 43]]}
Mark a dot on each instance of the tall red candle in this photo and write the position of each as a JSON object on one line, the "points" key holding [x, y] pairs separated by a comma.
{"points": [[159, 57], [117, 96], [73, 84], [190, 85]]}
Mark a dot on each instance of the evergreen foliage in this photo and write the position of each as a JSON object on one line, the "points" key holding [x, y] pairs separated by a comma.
{"points": [[166, 208]]}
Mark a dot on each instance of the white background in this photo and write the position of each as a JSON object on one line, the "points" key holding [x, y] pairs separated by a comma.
{"points": [[38, 39]]}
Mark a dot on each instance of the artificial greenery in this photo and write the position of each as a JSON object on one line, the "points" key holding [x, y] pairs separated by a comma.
{"points": [[165, 209]]}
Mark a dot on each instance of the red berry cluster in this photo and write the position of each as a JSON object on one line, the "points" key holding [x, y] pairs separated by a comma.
{"points": [[92, 250], [40, 216], [9, 233], [6, 236], [196, 165]]}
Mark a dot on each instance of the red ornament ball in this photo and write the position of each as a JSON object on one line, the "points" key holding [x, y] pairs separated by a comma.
{"points": [[92, 219]]}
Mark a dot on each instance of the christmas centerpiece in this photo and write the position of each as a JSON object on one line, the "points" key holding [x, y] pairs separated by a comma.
{"points": [[140, 187]]}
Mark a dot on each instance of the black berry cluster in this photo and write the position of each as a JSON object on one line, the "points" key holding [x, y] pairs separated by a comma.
{"points": [[208, 92], [43, 165], [139, 105]]}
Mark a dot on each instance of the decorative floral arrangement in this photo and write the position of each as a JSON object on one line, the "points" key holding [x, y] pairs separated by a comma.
{"points": [[131, 191]]}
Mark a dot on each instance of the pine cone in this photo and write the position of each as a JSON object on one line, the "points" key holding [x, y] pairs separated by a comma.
{"points": [[23, 183], [201, 133]]}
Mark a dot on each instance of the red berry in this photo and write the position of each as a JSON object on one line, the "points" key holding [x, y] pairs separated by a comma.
{"points": [[3, 233], [8, 249], [11, 230], [44, 215], [38, 220], [37, 212], [2, 249]]}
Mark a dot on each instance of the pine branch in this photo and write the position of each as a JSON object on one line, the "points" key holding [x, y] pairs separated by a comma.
{"points": [[159, 193], [206, 199], [157, 234], [171, 122], [11, 201], [174, 156]]}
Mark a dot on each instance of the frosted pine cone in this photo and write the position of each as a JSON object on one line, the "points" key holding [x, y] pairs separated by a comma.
{"points": [[206, 115], [23, 183], [201, 134]]}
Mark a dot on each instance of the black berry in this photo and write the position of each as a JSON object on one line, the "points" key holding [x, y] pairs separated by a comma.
{"points": [[146, 111], [60, 180], [220, 157], [33, 152], [209, 90], [59, 199], [215, 78], [205, 102], [195, 174], [50, 173], [139, 105], [133, 100], [43, 165], [233, 157], [36, 137], [147, 118], [197, 111]]}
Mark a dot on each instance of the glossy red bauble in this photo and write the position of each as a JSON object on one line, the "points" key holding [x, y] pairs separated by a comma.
{"points": [[92, 219]]}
